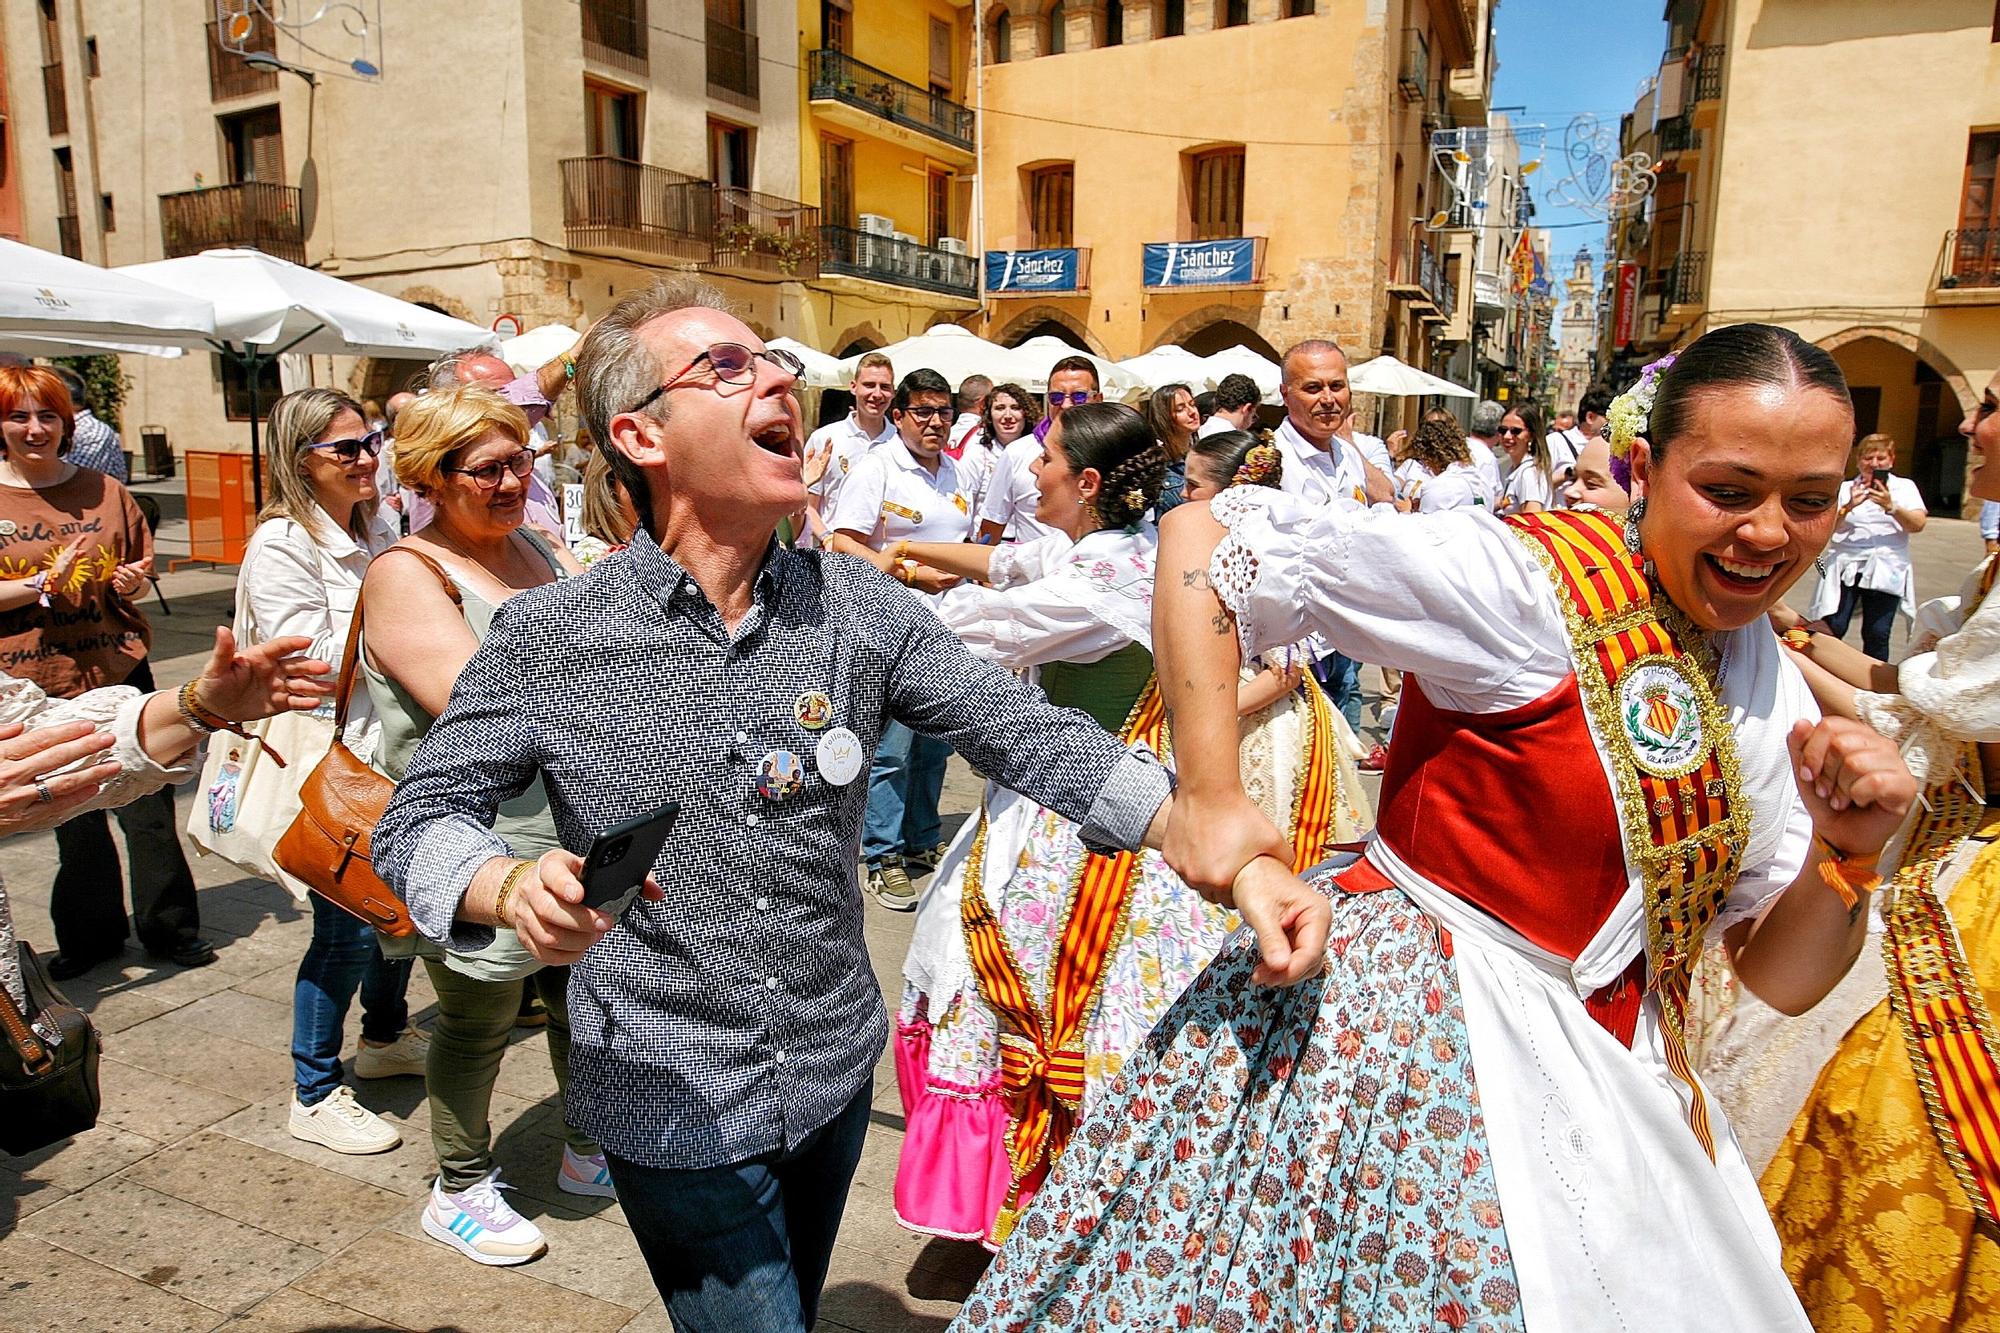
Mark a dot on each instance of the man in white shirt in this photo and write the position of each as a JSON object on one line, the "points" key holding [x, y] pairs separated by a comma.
{"points": [[1011, 494], [843, 443], [906, 490], [968, 446], [1236, 400], [1479, 439], [1592, 416]]}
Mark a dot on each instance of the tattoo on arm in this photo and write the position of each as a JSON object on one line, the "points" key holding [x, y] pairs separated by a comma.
{"points": [[1195, 578], [1220, 620]]}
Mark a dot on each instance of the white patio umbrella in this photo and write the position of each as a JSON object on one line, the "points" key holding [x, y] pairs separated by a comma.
{"points": [[266, 307], [822, 371], [1390, 378], [1169, 364], [81, 347], [1240, 360], [52, 297], [1043, 352], [952, 352], [537, 347]]}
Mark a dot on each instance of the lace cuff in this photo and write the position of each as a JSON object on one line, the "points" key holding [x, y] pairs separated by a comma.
{"points": [[1928, 749], [1234, 569]]}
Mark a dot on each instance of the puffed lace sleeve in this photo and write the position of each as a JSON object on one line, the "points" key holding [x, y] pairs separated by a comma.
{"points": [[1453, 597], [115, 709], [1015, 563], [1946, 696]]}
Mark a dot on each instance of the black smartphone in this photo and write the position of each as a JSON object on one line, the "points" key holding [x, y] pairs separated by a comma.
{"points": [[622, 856]]}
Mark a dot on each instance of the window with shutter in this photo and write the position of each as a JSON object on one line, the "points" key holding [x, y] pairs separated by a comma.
{"points": [[940, 205], [253, 147], [1051, 205], [941, 55], [836, 182], [611, 121], [1215, 194]]}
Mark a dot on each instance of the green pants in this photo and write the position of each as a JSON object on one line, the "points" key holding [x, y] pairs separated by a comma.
{"points": [[475, 1019]]}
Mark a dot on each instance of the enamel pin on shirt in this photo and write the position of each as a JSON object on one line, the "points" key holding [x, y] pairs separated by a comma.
{"points": [[813, 710], [779, 775], [838, 756]]}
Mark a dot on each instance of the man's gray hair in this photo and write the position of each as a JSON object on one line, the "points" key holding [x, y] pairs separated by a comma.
{"points": [[443, 373], [615, 369], [1307, 347], [1486, 417]]}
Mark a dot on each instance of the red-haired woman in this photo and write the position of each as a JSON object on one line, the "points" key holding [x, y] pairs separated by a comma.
{"points": [[74, 551]]}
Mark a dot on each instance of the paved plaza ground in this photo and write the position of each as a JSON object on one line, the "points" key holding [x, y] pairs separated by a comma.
{"points": [[190, 1208]]}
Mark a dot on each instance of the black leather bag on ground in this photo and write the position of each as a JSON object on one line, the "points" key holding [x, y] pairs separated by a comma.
{"points": [[48, 1065]]}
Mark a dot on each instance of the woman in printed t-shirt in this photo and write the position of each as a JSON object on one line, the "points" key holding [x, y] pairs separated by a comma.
{"points": [[74, 552]]}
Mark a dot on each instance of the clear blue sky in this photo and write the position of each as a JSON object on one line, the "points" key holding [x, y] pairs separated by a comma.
{"points": [[1562, 57]]}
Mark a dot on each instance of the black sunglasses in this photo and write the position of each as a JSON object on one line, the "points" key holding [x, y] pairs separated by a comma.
{"points": [[349, 451], [733, 363]]}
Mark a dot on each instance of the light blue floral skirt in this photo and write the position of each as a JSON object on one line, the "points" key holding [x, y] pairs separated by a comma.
{"points": [[1302, 1159]]}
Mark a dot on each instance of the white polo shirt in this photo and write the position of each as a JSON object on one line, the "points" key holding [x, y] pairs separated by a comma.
{"points": [[1011, 494], [849, 443], [1322, 476], [889, 497]]}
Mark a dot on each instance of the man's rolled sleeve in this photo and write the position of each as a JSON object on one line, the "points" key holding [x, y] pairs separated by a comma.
{"points": [[1138, 786], [438, 829], [525, 392]]}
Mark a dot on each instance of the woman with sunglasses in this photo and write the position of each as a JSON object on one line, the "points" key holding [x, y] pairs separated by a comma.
{"points": [[301, 574], [467, 452], [74, 553], [1532, 484]]}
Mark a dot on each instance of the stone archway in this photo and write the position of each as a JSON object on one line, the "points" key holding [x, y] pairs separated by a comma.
{"points": [[1053, 321], [1903, 387], [1921, 348], [863, 337], [1216, 328]]}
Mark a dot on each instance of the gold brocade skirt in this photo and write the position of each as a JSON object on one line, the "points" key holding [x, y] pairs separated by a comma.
{"points": [[1878, 1234]]}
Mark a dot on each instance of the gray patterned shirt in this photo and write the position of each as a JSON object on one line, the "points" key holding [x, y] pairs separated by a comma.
{"points": [[95, 445], [742, 1013]]}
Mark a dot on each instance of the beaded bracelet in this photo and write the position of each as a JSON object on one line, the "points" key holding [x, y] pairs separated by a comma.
{"points": [[507, 887], [1848, 883], [204, 721]]}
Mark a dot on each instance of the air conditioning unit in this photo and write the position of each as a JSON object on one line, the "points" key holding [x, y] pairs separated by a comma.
{"points": [[951, 245], [907, 254], [877, 225], [869, 251]]}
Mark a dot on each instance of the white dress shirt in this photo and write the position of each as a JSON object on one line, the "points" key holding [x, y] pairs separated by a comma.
{"points": [[849, 442], [1011, 493], [1320, 475], [891, 497]]}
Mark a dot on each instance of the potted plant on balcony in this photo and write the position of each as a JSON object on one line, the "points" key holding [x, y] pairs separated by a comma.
{"points": [[791, 249]]}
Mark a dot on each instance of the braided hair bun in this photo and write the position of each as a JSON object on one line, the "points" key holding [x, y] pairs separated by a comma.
{"points": [[1117, 442]]}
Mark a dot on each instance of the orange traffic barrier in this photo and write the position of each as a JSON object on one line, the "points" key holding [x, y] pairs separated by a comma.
{"points": [[218, 508]]}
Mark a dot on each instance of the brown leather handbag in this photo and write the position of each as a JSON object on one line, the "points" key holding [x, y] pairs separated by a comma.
{"points": [[328, 845]]}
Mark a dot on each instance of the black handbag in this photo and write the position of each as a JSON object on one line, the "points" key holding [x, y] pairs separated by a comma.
{"points": [[48, 1065]]}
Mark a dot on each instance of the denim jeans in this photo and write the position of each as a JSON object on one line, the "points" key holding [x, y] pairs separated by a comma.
{"points": [[342, 958], [904, 783], [87, 901], [1340, 676], [744, 1248], [1878, 618]]}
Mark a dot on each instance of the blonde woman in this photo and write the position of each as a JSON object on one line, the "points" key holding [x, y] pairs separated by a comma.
{"points": [[467, 452], [301, 574], [1868, 565]]}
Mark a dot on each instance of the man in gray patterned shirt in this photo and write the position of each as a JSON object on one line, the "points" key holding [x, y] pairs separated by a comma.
{"points": [[725, 1028]]}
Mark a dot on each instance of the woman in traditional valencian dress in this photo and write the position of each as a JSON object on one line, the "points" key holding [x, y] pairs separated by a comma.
{"points": [[1884, 1189], [989, 1092], [1481, 1115]]}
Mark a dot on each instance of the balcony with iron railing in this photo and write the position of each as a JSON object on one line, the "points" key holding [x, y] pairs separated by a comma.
{"points": [[1413, 76], [1677, 134], [1683, 286], [615, 34], [1418, 276], [69, 236], [873, 102], [847, 252], [256, 215], [611, 205], [732, 59], [1705, 80], [764, 234], [1968, 268], [229, 75], [55, 96]]}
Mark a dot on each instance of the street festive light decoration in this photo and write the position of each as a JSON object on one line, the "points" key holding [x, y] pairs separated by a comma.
{"points": [[1599, 181], [340, 37], [1595, 178]]}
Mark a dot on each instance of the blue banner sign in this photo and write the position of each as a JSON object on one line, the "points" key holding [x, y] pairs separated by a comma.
{"points": [[1032, 270], [1202, 263]]}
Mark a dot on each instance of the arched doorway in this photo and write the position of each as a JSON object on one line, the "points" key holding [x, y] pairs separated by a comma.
{"points": [[1050, 328], [835, 404], [1905, 389], [1225, 334]]}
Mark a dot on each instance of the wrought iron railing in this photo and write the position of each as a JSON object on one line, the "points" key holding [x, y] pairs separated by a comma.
{"points": [[1684, 281], [902, 263], [732, 58], [1970, 258], [256, 215], [765, 233], [1707, 74], [56, 98], [610, 203], [841, 78], [1677, 134], [69, 236], [1413, 77], [228, 74], [614, 33]]}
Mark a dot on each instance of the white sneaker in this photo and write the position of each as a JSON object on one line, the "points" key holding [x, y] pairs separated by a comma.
{"points": [[405, 1055], [342, 1124], [585, 1175], [478, 1223]]}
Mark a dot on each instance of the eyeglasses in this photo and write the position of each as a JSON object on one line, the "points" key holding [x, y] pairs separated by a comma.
{"points": [[733, 363], [932, 413], [487, 475], [350, 451], [1513, 430], [1075, 399]]}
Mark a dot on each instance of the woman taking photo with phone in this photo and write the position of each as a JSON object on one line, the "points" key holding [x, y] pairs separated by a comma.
{"points": [[433, 595], [1868, 565]]}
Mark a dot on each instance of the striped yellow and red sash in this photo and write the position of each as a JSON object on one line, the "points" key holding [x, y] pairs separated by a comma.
{"points": [[1673, 752], [1041, 1049], [1318, 782]]}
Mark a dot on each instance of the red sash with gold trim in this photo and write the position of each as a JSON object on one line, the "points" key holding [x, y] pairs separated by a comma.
{"points": [[1645, 675]]}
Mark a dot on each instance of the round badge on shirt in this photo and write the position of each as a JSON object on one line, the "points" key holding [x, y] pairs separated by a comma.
{"points": [[839, 756], [779, 775], [813, 710]]}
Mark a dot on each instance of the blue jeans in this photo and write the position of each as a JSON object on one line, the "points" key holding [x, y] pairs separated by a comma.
{"points": [[744, 1248], [1340, 676], [1878, 618], [342, 957], [904, 783]]}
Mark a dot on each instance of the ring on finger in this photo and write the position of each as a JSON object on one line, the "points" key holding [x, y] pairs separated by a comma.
{"points": [[42, 792]]}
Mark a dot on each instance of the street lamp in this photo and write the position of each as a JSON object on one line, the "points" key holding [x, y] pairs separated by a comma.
{"points": [[267, 63]]}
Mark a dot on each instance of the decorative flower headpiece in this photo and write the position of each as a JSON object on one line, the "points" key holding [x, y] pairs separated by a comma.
{"points": [[1630, 409], [1259, 467]]}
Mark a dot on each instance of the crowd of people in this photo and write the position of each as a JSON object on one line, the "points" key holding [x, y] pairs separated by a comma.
{"points": [[1575, 1025]]}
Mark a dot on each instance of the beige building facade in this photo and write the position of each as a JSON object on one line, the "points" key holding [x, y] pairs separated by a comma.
{"points": [[1831, 168]]}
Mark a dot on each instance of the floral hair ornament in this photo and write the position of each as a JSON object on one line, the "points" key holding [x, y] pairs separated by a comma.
{"points": [[1630, 409], [1258, 467]]}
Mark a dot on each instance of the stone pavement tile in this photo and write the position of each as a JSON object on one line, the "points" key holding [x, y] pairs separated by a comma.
{"points": [[303, 1203], [85, 1159], [158, 981], [21, 1195], [405, 1170], [291, 1311], [529, 1158], [278, 915], [172, 1244], [167, 1045], [231, 1013], [525, 1070], [274, 984], [402, 1281], [869, 1227], [246, 956], [115, 1010], [49, 1290], [652, 1319], [586, 1254], [160, 1108], [861, 1295]]}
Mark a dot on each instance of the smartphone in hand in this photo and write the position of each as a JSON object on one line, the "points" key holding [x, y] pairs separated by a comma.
{"points": [[622, 856]]}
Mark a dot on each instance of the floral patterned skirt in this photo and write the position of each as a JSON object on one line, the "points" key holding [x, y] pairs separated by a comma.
{"points": [[1301, 1159]]}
